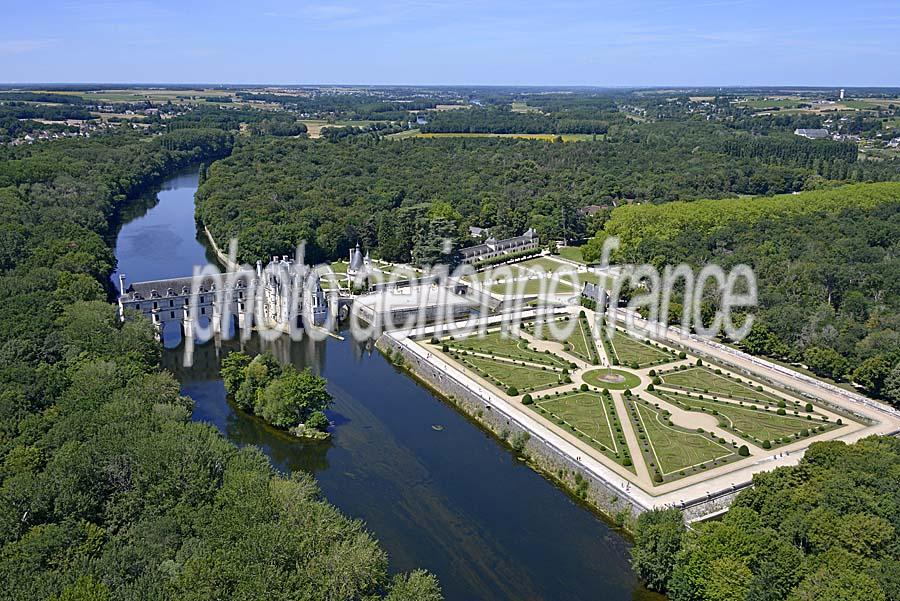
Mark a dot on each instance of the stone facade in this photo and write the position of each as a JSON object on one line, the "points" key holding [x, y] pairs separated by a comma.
{"points": [[266, 295], [495, 248]]}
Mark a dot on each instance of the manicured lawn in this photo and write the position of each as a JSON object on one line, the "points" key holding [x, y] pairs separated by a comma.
{"points": [[500, 272], [511, 347], [506, 374], [572, 253], [593, 378], [703, 379], [757, 424], [547, 265], [532, 287], [592, 418], [675, 449], [580, 341], [587, 414], [630, 350]]}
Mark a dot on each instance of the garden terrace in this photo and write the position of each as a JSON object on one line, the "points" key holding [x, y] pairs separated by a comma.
{"points": [[580, 342], [508, 346], [705, 380], [508, 375], [629, 351], [751, 422], [592, 417], [671, 452]]}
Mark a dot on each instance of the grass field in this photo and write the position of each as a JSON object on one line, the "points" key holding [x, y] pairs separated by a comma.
{"points": [[506, 374], [703, 379], [572, 253], [314, 127], [547, 265], [510, 347], [594, 378], [589, 416], [756, 424], [630, 350], [671, 448], [533, 286], [765, 103]]}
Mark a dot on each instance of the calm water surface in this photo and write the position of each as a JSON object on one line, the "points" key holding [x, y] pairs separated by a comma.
{"points": [[452, 501]]}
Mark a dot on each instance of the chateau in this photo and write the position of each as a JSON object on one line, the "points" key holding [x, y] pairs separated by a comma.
{"points": [[492, 247]]}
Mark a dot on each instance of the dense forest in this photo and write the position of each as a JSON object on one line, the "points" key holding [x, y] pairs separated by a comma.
{"points": [[108, 490], [826, 264], [826, 529], [273, 194], [505, 121]]}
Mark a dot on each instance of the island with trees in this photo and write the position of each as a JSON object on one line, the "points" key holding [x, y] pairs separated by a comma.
{"points": [[283, 396]]}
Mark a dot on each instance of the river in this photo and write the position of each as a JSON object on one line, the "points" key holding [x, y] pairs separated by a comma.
{"points": [[449, 499]]}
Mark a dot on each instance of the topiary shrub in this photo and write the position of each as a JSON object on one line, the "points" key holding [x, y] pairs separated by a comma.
{"points": [[766, 444], [744, 451], [527, 400], [809, 407], [650, 387], [512, 391], [583, 388], [682, 355], [782, 412]]}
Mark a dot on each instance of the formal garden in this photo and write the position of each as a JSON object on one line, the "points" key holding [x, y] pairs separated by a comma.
{"points": [[624, 349], [672, 452], [514, 378], [701, 378], [765, 426], [591, 416], [612, 379], [580, 343], [496, 344]]}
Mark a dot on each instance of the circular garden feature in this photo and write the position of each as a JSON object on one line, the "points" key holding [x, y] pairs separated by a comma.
{"points": [[614, 379]]}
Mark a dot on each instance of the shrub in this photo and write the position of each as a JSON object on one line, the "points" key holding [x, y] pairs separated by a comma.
{"points": [[744, 451], [445, 348], [699, 362], [651, 388], [766, 444], [809, 407], [682, 355], [527, 400], [627, 462], [652, 373], [583, 388], [782, 412], [512, 391], [317, 421]]}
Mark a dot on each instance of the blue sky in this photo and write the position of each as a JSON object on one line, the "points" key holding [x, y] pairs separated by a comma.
{"points": [[628, 43]]}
